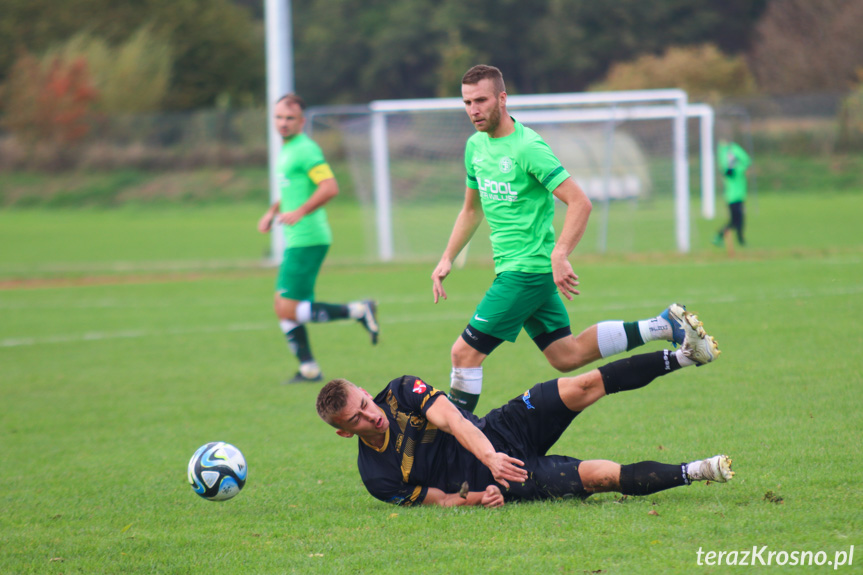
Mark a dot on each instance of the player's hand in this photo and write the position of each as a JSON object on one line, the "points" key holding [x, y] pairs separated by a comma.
{"points": [[505, 468], [440, 272], [492, 497], [564, 276], [265, 224], [290, 218]]}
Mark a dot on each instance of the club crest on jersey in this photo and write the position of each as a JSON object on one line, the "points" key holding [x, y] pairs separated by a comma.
{"points": [[419, 386], [505, 165]]}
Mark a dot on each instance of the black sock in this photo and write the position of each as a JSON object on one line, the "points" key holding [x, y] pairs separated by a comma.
{"points": [[324, 312], [633, 335], [647, 477], [298, 341], [637, 371]]}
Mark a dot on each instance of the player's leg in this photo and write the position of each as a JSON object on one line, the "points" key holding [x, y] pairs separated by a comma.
{"points": [[309, 310], [566, 352], [300, 268], [499, 317], [721, 237], [466, 374], [737, 220], [615, 337], [294, 284], [648, 477], [637, 371], [298, 340], [365, 312], [295, 306]]}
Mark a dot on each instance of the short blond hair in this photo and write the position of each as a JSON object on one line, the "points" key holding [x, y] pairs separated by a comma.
{"points": [[332, 399]]}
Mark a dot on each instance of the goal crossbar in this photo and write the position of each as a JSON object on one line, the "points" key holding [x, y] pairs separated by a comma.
{"points": [[615, 106]]}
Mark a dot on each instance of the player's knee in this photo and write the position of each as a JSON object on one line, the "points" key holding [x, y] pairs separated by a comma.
{"points": [[562, 364], [568, 362], [463, 355], [600, 475], [567, 354], [285, 308]]}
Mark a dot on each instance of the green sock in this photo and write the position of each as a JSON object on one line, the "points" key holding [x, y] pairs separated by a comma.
{"points": [[324, 312], [464, 400], [298, 341], [633, 335]]}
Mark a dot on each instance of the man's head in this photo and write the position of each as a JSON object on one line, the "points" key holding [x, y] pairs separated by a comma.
{"points": [[350, 409], [484, 96], [289, 116]]}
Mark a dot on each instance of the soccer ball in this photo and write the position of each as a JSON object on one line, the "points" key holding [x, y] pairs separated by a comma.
{"points": [[217, 471]]}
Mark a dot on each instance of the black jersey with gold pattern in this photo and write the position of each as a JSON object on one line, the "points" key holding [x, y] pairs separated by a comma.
{"points": [[416, 455]]}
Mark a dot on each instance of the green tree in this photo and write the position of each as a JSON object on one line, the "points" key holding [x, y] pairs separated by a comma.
{"points": [[703, 71], [218, 48], [48, 101], [806, 46], [132, 77]]}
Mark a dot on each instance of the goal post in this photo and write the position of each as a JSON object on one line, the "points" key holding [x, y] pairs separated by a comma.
{"points": [[403, 161]]}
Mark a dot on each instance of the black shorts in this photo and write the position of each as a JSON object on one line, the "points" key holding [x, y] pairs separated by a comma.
{"points": [[526, 428]]}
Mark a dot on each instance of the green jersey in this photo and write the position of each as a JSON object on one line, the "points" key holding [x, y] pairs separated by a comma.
{"points": [[302, 167], [515, 176], [733, 162]]}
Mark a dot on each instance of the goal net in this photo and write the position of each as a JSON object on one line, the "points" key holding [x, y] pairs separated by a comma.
{"points": [[627, 150]]}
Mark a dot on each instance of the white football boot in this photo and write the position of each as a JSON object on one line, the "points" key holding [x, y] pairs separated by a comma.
{"points": [[697, 345], [716, 468]]}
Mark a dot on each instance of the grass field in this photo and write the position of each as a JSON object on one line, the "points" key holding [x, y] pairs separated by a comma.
{"points": [[130, 337]]}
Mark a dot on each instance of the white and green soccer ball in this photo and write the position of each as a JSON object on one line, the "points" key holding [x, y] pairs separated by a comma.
{"points": [[217, 471]]}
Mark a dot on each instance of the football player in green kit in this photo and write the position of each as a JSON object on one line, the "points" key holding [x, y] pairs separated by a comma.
{"points": [[512, 180], [306, 183], [733, 163]]}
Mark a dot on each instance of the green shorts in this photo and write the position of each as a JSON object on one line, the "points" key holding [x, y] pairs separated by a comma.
{"points": [[516, 300], [299, 272]]}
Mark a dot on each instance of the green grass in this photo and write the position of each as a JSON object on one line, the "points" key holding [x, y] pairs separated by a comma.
{"points": [[112, 375]]}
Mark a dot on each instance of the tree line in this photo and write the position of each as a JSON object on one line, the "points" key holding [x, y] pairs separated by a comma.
{"points": [[212, 52]]}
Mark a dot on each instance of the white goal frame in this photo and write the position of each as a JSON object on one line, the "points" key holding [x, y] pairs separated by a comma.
{"points": [[677, 108]]}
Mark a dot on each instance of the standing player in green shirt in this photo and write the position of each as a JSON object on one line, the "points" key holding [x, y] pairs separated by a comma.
{"points": [[512, 180], [733, 163], [306, 184]]}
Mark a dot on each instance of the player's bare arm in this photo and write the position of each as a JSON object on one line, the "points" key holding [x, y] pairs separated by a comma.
{"points": [[466, 223], [265, 224], [578, 209], [491, 497], [326, 191], [444, 415]]}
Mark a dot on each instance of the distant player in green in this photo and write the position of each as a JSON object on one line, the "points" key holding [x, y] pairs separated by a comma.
{"points": [[306, 184], [512, 180], [733, 163]]}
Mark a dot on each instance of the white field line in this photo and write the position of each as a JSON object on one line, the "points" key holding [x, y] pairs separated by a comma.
{"points": [[435, 316], [134, 266], [131, 334]]}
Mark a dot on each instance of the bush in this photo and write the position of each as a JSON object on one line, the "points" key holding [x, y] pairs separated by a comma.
{"points": [[47, 103], [702, 71], [132, 77]]}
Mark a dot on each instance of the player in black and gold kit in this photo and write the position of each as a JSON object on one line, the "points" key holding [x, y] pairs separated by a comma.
{"points": [[415, 446]]}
